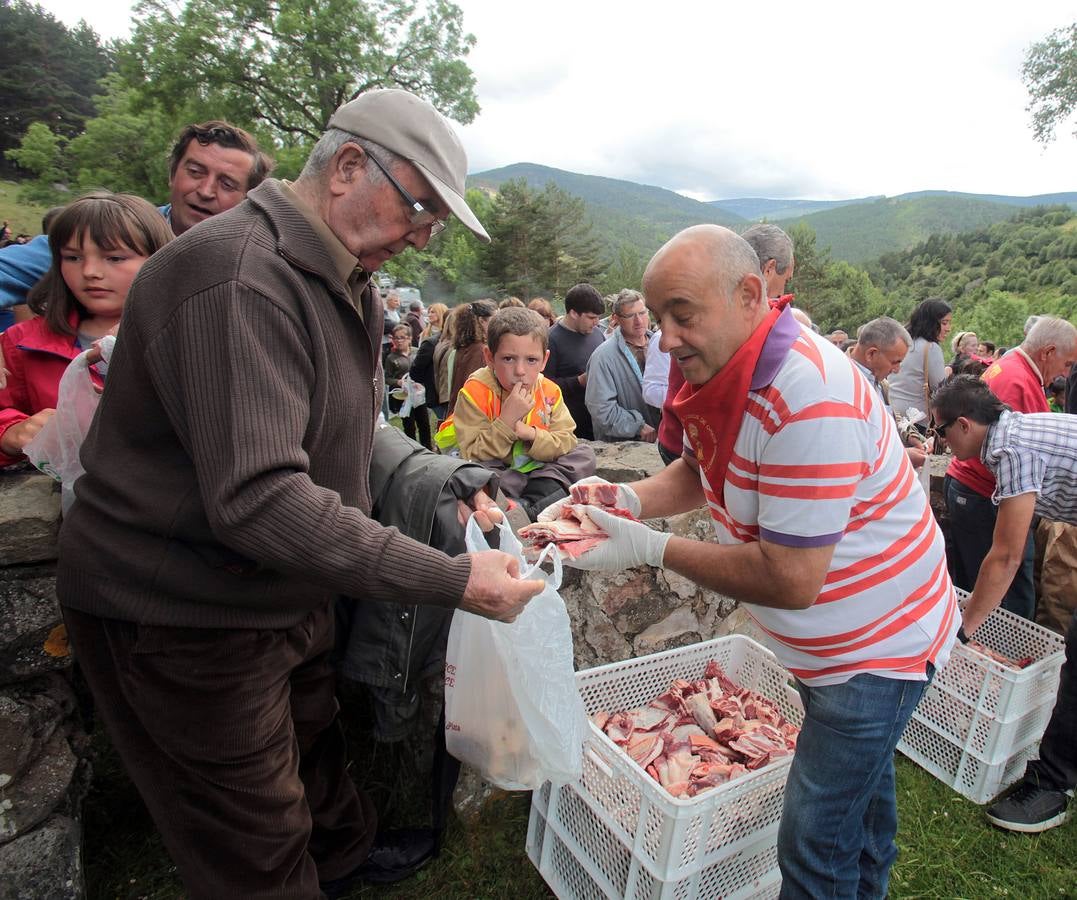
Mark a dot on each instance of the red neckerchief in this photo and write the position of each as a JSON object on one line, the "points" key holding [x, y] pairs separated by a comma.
{"points": [[711, 413]]}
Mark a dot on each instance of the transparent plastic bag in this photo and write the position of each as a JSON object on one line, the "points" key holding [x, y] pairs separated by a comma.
{"points": [[55, 448], [512, 708]]}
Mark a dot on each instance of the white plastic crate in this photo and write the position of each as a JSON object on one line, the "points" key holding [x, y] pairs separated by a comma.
{"points": [[652, 837], [581, 858], [980, 721]]}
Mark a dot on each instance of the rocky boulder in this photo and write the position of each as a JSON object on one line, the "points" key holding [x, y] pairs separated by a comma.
{"points": [[29, 516]]}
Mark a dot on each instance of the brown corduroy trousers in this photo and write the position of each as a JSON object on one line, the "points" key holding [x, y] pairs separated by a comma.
{"points": [[232, 740]]}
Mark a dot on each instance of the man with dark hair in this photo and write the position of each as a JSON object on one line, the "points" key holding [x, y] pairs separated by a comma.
{"points": [[414, 321], [211, 168], [206, 548], [571, 342], [1018, 380], [1033, 458]]}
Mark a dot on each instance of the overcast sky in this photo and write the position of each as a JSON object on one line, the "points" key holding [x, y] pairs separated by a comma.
{"points": [[820, 100]]}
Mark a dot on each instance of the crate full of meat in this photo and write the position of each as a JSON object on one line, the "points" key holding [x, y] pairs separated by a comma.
{"points": [[683, 778], [985, 711]]}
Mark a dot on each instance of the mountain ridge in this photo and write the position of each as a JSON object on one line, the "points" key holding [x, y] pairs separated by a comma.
{"points": [[856, 230]]}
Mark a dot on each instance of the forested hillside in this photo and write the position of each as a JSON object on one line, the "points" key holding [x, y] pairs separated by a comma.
{"points": [[994, 277], [624, 214], [864, 231]]}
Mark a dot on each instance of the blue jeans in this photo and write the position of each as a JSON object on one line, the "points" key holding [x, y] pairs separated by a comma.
{"points": [[972, 530], [836, 838]]}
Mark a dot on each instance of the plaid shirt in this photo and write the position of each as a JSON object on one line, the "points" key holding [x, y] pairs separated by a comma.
{"points": [[1035, 453]]}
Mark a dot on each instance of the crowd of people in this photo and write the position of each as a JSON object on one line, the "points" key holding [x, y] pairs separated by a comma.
{"points": [[228, 501]]}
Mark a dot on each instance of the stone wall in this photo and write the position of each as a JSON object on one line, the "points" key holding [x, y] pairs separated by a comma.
{"points": [[44, 772]]}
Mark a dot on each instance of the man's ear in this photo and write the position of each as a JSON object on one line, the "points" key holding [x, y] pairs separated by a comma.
{"points": [[488, 356], [347, 165], [752, 291]]}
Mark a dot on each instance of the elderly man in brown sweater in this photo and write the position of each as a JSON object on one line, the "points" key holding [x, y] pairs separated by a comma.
{"points": [[226, 504]]}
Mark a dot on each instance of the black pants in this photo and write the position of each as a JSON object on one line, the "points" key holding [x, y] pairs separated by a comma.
{"points": [[231, 737], [1057, 765], [972, 529]]}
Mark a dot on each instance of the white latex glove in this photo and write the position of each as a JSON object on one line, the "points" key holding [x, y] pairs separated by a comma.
{"points": [[626, 499], [629, 544]]}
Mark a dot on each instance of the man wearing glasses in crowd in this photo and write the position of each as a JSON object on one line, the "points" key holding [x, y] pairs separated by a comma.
{"points": [[614, 391], [207, 545]]}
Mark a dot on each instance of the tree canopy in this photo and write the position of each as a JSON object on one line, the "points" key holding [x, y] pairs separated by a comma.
{"points": [[1050, 75], [290, 63], [49, 72]]}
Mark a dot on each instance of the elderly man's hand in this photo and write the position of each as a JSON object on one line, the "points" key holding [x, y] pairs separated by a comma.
{"points": [[487, 513], [494, 589]]}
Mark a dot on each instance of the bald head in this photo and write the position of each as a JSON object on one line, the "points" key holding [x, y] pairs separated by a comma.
{"points": [[721, 254], [705, 288]]}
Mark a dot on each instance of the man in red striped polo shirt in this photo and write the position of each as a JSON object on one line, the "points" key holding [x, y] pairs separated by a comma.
{"points": [[823, 533]]}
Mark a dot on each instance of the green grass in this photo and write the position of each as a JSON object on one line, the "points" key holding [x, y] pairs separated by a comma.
{"points": [[23, 217], [947, 848]]}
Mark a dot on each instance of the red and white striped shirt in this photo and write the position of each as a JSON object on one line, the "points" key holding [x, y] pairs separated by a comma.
{"points": [[817, 462]]}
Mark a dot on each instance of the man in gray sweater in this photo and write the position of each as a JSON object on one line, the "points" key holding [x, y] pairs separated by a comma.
{"points": [[226, 505]]}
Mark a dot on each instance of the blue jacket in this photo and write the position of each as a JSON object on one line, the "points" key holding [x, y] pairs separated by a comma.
{"points": [[614, 392]]}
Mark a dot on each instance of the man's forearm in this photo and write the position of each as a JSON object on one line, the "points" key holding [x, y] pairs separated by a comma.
{"points": [[735, 570], [995, 577], [676, 489]]}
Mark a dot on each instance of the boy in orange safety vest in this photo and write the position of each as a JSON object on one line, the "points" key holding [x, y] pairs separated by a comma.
{"points": [[511, 419]]}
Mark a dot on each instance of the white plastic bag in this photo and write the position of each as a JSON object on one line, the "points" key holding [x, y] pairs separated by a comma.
{"points": [[412, 393], [512, 708], [55, 448]]}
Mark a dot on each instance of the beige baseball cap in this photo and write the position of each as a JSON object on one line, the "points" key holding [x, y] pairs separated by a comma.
{"points": [[411, 128]]}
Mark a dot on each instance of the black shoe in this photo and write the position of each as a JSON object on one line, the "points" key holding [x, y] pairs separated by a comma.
{"points": [[396, 855], [1030, 808]]}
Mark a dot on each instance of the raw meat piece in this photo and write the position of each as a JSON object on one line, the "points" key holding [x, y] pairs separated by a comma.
{"points": [[1021, 663], [645, 748], [701, 711], [649, 718], [574, 532], [595, 494]]}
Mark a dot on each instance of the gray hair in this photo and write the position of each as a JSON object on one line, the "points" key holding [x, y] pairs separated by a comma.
{"points": [[415, 305], [883, 332], [329, 145], [1050, 331], [1029, 322], [770, 242], [625, 298], [733, 259]]}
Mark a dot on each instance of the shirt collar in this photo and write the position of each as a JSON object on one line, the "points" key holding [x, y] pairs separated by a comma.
{"points": [[343, 262], [782, 336], [1031, 364]]}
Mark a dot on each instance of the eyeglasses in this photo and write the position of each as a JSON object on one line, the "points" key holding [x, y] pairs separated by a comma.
{"points": [[420, 216], [939, 431]]}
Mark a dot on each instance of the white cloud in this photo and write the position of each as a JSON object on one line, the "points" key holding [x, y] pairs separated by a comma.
{"points": [[790, 99]]}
